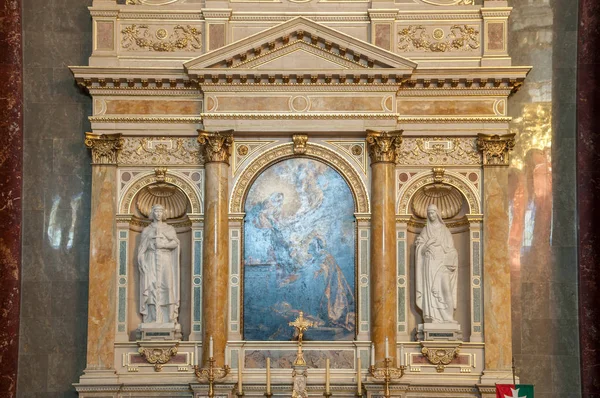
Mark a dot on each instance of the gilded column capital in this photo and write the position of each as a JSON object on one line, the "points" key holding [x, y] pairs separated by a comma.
{"points": [[384, 146], [215, 146], [105, 147], [495, 148]]}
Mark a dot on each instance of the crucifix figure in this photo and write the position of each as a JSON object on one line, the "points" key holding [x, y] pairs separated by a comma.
{"points": [[301, 326]]}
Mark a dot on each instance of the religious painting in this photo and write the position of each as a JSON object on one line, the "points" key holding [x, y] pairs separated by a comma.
{"points": [[299, 253]]}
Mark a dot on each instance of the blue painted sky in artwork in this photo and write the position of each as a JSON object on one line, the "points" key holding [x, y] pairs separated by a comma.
{"points": [[299, 252]]}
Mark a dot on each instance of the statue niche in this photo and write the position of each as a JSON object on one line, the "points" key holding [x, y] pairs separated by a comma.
{"points": [[437, 228], [161, 216]]}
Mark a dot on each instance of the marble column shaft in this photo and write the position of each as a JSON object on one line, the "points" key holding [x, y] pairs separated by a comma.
{"points": [[383, 243], [215, 267], [496, 261], [11, 175], [103, 259], [588, 193]]}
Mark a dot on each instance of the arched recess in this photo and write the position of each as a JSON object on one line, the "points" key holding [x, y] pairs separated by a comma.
{"points": [[286, 151], [450, 178], [126, 201]]}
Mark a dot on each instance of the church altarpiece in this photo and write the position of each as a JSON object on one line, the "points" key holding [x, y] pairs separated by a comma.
{"points": [[259, 161]]}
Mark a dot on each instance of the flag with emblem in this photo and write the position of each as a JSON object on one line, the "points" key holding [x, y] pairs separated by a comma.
{"points": [[514, 391]]}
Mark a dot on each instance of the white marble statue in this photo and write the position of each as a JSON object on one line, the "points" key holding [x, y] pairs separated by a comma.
{"points": [[436, 270], [158, 261]]}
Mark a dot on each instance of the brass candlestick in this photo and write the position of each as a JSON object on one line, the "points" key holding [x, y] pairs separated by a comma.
{"points": [[387, 373], [211, 373]]}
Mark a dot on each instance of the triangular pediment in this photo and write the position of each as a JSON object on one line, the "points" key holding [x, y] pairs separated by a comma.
{"points": [[300, 44]]}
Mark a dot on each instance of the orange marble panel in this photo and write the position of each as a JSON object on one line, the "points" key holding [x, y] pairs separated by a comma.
{"points": [[496, 36], [446, 107], [216, 34], [346, 104], [253, 104], [105, 39], [154, 107], [383, 36]]}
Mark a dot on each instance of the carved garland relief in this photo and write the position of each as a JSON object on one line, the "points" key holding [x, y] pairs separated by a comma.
{"points": [[420, 38], [143, 37]]}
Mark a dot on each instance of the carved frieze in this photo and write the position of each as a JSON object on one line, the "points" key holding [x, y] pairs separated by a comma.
{"points": [[439, 151], [384, 146], [446, 2], [104, 147], [147, 38], [160, 151], [495, 148], [216, 145], [454, 38]]}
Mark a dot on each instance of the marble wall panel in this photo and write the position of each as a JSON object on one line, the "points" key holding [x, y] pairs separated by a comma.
{"points": [[485, 107], [56, 198], [150, 107], [542, 242], [11, 172]]}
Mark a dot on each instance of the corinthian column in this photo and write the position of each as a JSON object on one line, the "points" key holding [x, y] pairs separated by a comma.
{"points": [[383, 147], [103, 259], [215, 268], [496, 266]]}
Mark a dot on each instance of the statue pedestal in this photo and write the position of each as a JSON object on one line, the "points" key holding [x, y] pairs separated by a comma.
{"points": [[299, 376], [159, 331], [439, 331]]}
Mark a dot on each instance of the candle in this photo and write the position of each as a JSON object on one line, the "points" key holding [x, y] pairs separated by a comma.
{"points": [[240, 364], [387, 350], [402, 360], [327, 376], [210, 348], [196, 361], [372, 354], [358, 376], [226, 359], [268, 375]]}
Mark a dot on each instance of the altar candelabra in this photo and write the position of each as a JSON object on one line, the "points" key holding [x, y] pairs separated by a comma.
{"points": [[211, 373], [387, 373]]}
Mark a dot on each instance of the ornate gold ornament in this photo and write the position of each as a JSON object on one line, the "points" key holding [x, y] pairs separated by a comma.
{"points": [[300, 141], [160, 151], [535, 131], [440, 356], [495, 148], [160, 173], [384, 146], [448, 2], [242, 150], [439, 151], [301, 325], [285, 151], [158, 356], [183, 38], [460, 38], [215, 146], [105, 147]]}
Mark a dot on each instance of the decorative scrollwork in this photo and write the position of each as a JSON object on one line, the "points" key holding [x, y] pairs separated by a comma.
{"points": [[495, 148], [440, 356], [384, 146], [300, 141], [460, 38], [439, 151], [160, 150], [216, 145], [104, 147], [183, 38], [158, 356]]}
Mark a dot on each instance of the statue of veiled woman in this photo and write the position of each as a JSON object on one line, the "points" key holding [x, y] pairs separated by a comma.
{"points": [[436, 269], [158, 261]]}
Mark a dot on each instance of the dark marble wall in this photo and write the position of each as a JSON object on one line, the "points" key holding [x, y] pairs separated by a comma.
{"points": [[11, 173], [588, 150], [543, 236], [56, 198]]}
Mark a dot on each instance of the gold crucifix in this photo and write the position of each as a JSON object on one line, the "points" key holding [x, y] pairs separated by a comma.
{"points": [[301, 325]]}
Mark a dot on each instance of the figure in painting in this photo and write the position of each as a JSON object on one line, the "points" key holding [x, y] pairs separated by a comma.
{"points": [[436, 269], [158, 261]]}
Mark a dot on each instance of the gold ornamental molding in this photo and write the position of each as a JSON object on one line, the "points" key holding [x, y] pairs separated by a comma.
{"points": [[495, 148], [143, 119], [460, 38], [384, 146], [182, 38], [448, 2], [441, 151], [299, 116], [216, 145], [300, 141], [466, 119], [286, 151], [167, 151], [450, 178], [104, 147]]}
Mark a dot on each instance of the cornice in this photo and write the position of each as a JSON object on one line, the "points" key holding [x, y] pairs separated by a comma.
{"points": [[455, 119], [145, 119], [299, 116]]}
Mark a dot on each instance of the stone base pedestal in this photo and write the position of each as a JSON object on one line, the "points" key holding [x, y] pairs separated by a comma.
{"points": [[439, 331], [159, 332], [299, 376]]}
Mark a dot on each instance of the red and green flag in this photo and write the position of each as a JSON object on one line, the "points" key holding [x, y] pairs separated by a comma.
{"points": [[514, 391]]}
